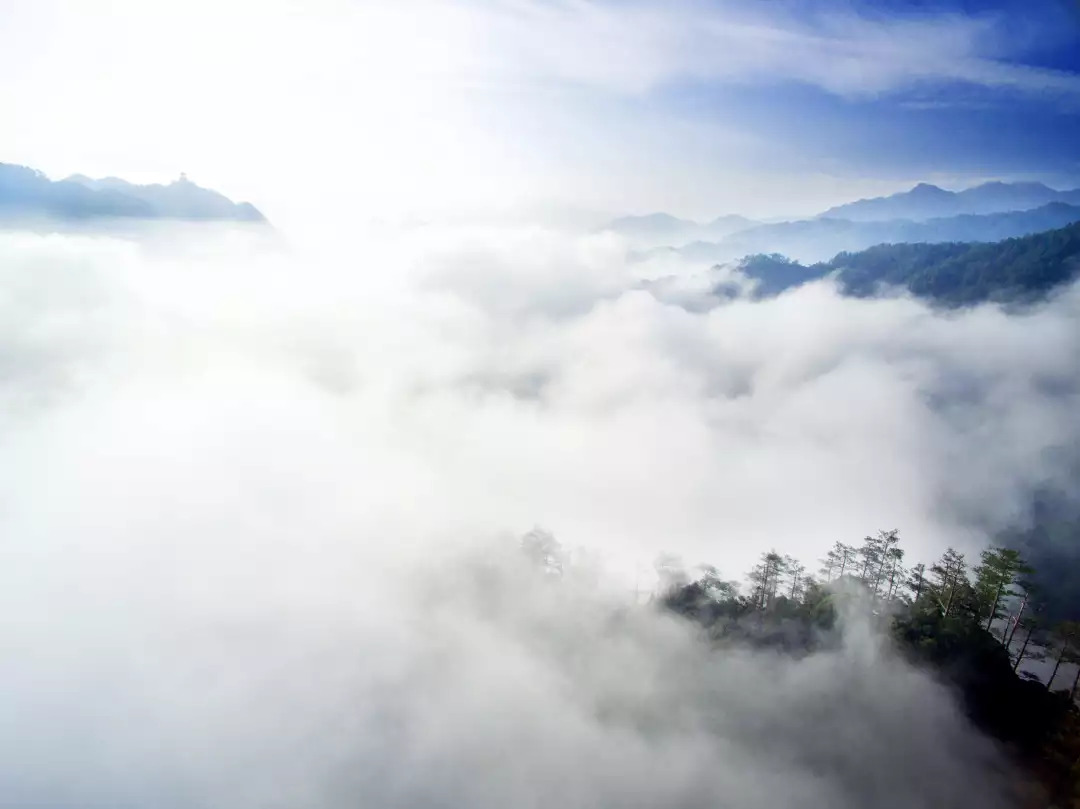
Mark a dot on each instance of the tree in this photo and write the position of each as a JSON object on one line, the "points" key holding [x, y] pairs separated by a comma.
{"points": [[894, 572], [837, 561], [716, 587], [916, 582], [950, 575], [871, 555], [830, 564], [877, 554], [765, 578], [999, 570], [889, 554], [1065, 637], [795, 582], [1030, 623]]}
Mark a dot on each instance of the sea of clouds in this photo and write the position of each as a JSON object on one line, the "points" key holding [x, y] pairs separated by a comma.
{"points": [[254, 504]]}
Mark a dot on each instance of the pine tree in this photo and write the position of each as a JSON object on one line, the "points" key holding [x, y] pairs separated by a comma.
{"points": [[765, 579], [714, 586], [795, 582], [916, 582], [838, 561], [830, 563], [871, 556], [950, 577], [999, 570], [888, 551], [894, 573]]}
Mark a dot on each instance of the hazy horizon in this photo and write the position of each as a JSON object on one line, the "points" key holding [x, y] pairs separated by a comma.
{"points": [[695, 107]]}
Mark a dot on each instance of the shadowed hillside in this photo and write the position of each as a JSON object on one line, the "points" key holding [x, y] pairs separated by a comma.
{"points": [[952, 274]]}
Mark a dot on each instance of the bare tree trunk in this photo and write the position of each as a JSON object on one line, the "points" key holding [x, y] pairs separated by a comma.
{"points": [[1020, 657], [880, 572], [952, 595], [1057, 665], [993, 607], [1016, 623], [845, 557]]}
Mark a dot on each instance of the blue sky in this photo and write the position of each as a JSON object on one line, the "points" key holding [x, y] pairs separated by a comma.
{"points": [[429, 107], [934, 124]]}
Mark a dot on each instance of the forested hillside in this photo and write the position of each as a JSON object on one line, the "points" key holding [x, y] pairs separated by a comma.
{"points": [[953, 274], [978, 625], [813, 240]]}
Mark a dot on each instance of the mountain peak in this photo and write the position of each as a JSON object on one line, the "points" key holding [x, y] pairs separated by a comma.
{"points": [[928, 190]]}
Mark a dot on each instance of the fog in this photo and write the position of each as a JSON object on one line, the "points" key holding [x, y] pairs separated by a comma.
{"points": [[256, 505]]}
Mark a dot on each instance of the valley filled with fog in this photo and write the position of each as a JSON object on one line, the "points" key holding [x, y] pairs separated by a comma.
{"points": [[259, 508]]}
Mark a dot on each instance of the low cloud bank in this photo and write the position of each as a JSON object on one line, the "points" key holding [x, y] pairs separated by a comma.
{"points": [[242, 493]]}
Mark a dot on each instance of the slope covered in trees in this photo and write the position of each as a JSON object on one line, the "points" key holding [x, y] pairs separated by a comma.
{"points": [[952, 274], [820, 239], [978, 626]]}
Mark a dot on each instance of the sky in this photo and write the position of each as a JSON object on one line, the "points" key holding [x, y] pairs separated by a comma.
{"points": [[334, 109]]}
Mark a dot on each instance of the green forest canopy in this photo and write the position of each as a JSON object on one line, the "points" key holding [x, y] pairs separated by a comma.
{"points": [[952, 274]]}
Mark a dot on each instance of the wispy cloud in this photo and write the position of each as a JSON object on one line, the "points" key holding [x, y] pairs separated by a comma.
{"points": [[639, 48]]}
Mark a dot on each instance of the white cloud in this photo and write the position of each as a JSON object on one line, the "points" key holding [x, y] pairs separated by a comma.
{"points": [[524, 378], [240, 495]]}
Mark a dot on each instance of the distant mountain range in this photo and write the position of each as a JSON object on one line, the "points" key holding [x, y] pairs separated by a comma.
{"points": [[926, 213], [27, 195], [953, 274], [664, 229], [926, 201], [820, 239]]}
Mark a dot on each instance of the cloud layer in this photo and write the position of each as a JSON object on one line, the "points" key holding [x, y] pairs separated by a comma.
{"points": [[528, 376], [242, 494]]}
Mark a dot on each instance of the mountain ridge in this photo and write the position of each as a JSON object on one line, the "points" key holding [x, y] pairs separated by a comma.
{"points": [[26, 193], [668, 229], [820, 239], [927, 201], [952, 274]]}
